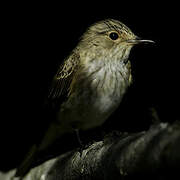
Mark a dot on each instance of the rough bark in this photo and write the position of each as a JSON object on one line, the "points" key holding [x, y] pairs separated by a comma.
{"points": [[150, 154]]}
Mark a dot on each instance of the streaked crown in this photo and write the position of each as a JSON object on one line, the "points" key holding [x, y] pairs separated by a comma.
{"points": [[115, 30]]}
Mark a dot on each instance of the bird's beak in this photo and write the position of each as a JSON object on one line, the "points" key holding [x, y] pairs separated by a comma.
{"points": [[138, 40]]}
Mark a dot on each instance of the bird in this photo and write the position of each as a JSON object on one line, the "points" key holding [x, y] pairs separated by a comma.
{"points": [[90, 83]]}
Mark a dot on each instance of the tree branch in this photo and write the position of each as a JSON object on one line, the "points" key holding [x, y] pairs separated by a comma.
{"points": [[154, 153]]}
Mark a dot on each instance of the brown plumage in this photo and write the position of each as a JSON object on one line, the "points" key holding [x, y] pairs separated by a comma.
{"points": [[63, 78], [94, 79]]}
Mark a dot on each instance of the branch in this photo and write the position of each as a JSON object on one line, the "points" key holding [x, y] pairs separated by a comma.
{"points": [[154, 153]]}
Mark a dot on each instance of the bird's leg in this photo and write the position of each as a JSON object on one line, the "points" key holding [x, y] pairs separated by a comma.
{"points": [[78, 137], [82, 146]]}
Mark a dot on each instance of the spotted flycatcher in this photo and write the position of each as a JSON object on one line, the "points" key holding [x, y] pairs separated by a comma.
{"points": [[94, 79]]}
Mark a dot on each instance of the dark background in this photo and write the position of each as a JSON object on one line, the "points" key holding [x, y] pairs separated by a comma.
{"points": [[37, 37]]}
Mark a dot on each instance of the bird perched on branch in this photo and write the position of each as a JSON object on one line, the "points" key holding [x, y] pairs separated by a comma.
{"points": [[93, 78]]}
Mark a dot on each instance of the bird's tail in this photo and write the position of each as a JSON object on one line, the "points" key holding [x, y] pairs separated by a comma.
{"points": [[54, 132], [27, 162]]}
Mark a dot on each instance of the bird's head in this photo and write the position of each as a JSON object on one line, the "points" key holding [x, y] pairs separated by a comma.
{"points": [[110, 38]]}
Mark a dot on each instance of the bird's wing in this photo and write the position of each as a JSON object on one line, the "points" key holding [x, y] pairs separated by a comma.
{"points": [[60, 88], [63, 78]]}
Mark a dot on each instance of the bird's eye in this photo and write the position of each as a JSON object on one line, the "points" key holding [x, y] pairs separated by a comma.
{"points": [[114, 35]]}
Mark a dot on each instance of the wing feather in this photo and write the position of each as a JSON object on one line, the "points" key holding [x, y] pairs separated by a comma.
{"points": [[63, 78]]}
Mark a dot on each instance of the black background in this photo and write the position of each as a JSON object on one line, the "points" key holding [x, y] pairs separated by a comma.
{"points": [[37, 37]]}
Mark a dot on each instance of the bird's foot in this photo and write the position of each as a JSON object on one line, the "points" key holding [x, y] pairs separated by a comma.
{"points": [[82, 146]]}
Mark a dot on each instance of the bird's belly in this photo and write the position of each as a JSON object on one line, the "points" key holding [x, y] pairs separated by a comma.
{"points": [[93, 100], [85, 112], [99, 111]]}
